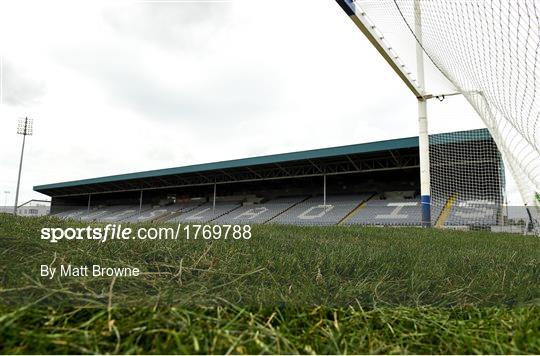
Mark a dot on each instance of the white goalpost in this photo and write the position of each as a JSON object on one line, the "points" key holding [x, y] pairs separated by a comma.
{"points": [[423, 134], [489, 52]]}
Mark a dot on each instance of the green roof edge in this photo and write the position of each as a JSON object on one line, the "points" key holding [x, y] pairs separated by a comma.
{"points": [[407, 142]]}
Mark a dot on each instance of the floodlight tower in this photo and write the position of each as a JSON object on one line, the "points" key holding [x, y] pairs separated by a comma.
{"points": [[24, 128]]}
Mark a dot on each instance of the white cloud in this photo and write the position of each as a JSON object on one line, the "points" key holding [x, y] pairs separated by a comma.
{"points": [[130, 86], [18, 88]]}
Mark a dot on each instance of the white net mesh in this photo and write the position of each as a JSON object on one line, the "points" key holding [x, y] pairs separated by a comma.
{"points": [[489, 51], [467, 180]]}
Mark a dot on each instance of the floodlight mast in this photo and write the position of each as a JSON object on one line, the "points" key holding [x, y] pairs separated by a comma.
{"points": [[24, 128], [417, 87]]}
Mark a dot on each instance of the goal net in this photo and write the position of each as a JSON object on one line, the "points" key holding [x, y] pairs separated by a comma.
{"points": [[467, 180], [488, 50]]}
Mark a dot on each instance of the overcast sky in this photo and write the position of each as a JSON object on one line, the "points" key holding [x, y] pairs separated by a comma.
{"points": [[123, 86]]}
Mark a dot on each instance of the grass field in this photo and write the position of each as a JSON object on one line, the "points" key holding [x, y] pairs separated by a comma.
{"points": [[286, 290]]}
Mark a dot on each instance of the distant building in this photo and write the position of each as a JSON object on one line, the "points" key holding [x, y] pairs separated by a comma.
{"points": [[37, 210]]}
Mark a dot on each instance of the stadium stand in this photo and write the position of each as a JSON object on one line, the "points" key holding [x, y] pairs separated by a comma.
{"points": [[259, 213], [385, 209], [161, 212], [473, 212], [72, 213], [313, 211], [96, 213], [205, 213], [122, 213], [388, 210], [286, 188]]}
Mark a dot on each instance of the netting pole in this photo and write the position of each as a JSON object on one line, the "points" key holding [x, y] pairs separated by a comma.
{"points": [[423, 138]]}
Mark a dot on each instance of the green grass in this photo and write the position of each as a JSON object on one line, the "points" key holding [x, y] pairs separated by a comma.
{"points": [[286, 290]]}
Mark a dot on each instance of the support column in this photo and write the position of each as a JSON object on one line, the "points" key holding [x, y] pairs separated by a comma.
{"points": [[423, 137], [140, 202], [214, 200], [425, 184], [324, 190], [89, 200]]}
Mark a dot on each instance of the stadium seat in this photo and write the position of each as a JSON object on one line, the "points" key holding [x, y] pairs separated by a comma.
{"points": [[389, 212], [468, 211], [96, 213], [205, 213], [160, 212], [123, 213], [71, 213], [259, 213], [313, 211]]}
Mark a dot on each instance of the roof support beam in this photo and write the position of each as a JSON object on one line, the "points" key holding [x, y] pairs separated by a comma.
{"points": [[255, 173], [314, 165], [352, 162], [398, 163], [281, 168], [228, 175]]}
